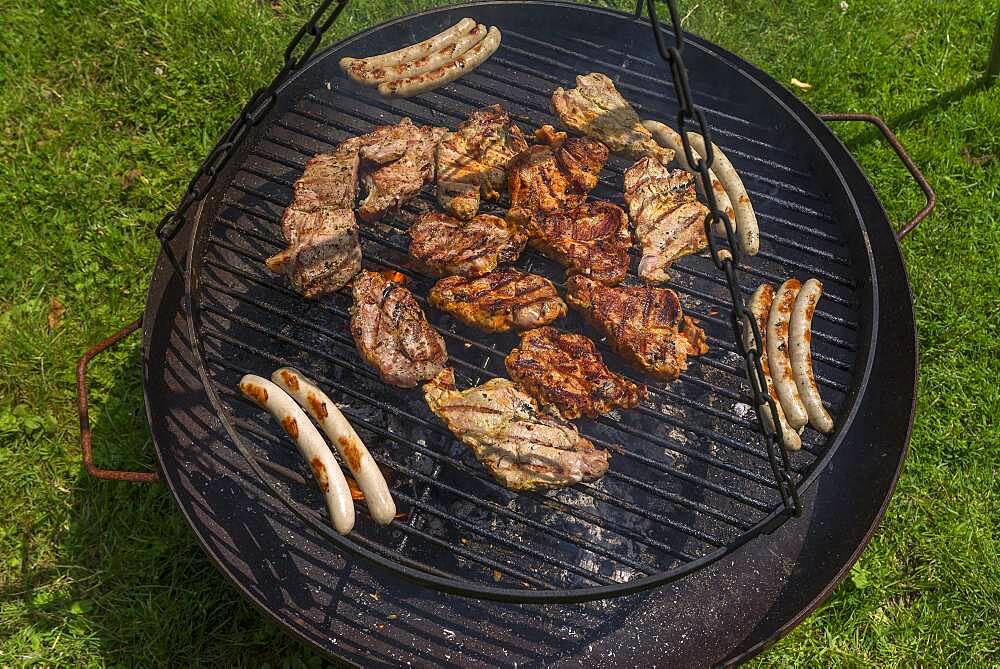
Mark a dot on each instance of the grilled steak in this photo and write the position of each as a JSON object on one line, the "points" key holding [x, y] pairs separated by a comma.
{"points": [[644, 325], [592, 239], [500, 300], [521, 448], [404, 154], [596, 109], [669, 221], [567, 372], [553, 175], [472, 161], [329, 181], [323, 253], [392, 334], [446, 245]]}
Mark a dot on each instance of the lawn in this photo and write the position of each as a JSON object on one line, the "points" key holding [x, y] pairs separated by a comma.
{"points": [[107, 107]]}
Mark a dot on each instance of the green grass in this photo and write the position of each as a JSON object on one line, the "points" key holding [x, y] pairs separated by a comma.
{"points": [[95, 573]]}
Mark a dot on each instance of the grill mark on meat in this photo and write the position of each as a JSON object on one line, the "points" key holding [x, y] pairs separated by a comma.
{"points": [[392, 334], [290, 379], [291, 427], [318, 406], [591, 239], [565, 371], [320, 472], [522, 448], [446, 245], [352, 454], [258, 393], [553, 175], [668, 219], [644, 325], [500, 300]]}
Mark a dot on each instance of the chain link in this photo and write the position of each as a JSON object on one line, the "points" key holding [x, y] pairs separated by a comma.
{"points": [[726, 258], [261, 102]]}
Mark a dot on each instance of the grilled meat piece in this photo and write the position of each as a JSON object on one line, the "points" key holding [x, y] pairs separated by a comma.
{"points": [[329, 181], [323, 253], [446, 245], [405, 156], [553, 175], [521, 447], [644, 325], [392, 334], [472, 161], [669, 221], [596, 109], [592, 239], [567, 372], [500, 300]]}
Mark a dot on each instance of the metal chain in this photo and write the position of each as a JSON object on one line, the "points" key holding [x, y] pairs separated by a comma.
{"points": [[725, 259], [259, 105]]}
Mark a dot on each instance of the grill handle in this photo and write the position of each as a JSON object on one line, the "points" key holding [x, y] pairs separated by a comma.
{"points": [[903, 156], [82, 406]]}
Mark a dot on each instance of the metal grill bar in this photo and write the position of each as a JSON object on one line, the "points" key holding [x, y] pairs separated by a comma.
{"points": [[409, 472], [282, 202], [498, 353], [479, 476], [348, 130], [604, 421], [417, 114], [720, 343], [659, 466], [426, 424]]}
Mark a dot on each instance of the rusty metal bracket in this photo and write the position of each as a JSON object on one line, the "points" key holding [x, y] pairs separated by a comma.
{"points": [[83, 406], [903, 156]]}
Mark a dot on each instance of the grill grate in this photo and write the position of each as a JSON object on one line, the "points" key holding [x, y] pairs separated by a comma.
{"points": [[687, 477]]}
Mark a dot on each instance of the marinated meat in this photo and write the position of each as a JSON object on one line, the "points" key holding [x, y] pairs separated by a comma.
{"points": [[521, 447], [500, 300], [329, 181], [597, 110], [472, 161], [446, 245], [592, 239], [566, 371], [669, 221], [392, 334], [644, 325], [323, 253], [554, 175], [404, 154]]}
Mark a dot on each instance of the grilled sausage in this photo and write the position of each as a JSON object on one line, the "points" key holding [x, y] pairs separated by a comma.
{"points": [[310, 444], [746, 220], [453, 69], [333, 423], [800, 340], [374, 69], [777, 354], [441, 57], [668, 138], [760, 306]]}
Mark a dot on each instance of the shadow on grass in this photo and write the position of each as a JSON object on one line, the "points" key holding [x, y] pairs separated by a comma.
{"points": [[128, 579], [935, 105]]}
